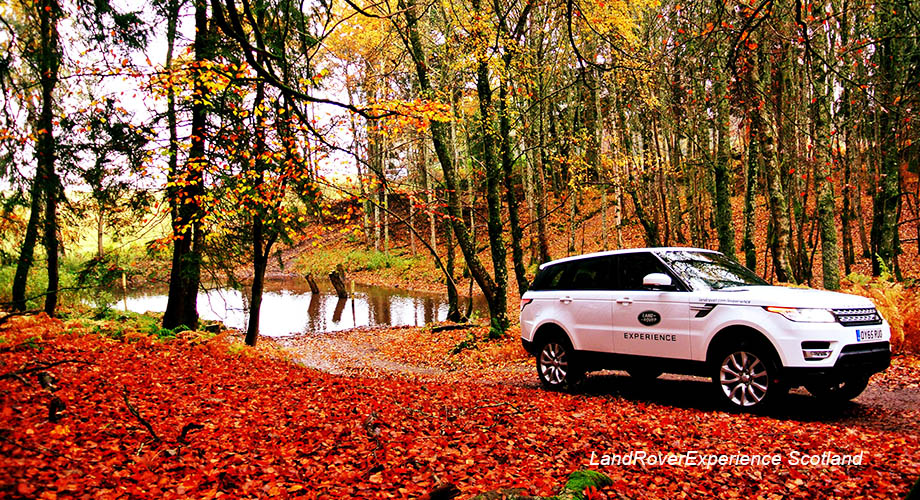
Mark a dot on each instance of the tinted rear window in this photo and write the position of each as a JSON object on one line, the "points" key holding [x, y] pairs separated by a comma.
{"points": [[582, 274], [547, 278]]}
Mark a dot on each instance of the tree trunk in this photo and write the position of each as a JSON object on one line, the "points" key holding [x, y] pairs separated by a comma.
{"points": [[722, 171], [426, 185], [260, 250], [887, 196], [172, 19], [494, 226], [822, 86], [572, 200], [760, 127], [185, 274], [385, 194], [517, 253], [651, 229], [453, 297], [27, 254], [259, 264], [750, 251], [100, 231], [604, 236], [540, 197], [46, 147], [845, 154], [440, 135], [312, 282], [51, 242]]}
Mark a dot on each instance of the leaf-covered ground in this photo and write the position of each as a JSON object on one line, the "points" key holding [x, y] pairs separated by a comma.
{"points": [[234, 424]]}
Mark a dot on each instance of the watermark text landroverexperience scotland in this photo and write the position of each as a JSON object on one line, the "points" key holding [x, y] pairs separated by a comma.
{"points": [[694, 458]]}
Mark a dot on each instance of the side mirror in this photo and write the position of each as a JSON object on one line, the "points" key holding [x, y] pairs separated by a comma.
{"points": [[657, 281]]}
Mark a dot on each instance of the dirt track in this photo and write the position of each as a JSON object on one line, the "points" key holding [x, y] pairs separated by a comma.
{"points": [[891, 402]]}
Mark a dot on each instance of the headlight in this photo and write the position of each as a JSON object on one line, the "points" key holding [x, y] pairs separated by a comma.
{"points": [[804, 315]]}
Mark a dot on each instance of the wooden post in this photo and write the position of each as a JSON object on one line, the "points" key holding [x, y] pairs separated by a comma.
{"points": [[124, 290]]}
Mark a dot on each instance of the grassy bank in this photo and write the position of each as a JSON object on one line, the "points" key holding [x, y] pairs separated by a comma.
{"points": [[398, 267], [87, 280]]}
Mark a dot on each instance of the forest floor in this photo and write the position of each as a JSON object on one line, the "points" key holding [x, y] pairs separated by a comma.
{"points": [[85, 414]]}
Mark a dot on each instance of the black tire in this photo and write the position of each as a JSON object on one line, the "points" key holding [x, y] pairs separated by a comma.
{"points": [[557, 365], [746, 377], [839, 391], [644, 373]]}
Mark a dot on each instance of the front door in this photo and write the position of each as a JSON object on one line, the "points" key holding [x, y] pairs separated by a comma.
{"points": [[648, 322]]}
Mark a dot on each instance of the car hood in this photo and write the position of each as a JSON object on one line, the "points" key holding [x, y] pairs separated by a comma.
{"points": [[784, 297]]}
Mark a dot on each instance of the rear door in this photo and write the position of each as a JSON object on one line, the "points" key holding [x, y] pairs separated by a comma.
{"points": [[584, 298], [648, 322]]}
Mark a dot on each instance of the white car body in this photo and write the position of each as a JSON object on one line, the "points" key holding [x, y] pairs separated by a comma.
{"points": [[675, 329]]}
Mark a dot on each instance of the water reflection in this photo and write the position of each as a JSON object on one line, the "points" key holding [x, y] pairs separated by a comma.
{"points": [[288, 307]]}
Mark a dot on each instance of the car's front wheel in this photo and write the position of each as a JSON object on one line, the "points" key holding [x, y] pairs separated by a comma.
{"points": [[556, 365], [745, 377], [839, 391]]}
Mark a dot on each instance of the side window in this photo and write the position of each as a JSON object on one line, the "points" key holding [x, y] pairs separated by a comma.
{"points": [[592, 274], [586, 274], [548, 278], [562, 279], [582, 274], [631, 268]]}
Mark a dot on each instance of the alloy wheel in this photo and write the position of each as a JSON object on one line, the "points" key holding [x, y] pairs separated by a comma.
{"points": [[744, 378]]}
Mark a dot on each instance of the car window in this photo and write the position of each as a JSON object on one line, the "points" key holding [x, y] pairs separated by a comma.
{"points": [[581, 274], [631, 268], [710, 271], [589, 274], [548, 277]]}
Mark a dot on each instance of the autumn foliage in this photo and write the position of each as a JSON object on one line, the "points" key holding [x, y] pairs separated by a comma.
{"points": [[194, 417], [899, 304]]}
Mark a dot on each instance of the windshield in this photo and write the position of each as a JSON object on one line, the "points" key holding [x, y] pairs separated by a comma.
{"points": [[709, 271]]}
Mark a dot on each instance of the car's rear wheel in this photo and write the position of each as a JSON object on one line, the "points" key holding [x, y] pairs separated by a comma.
{"points": [[746, 377], [556, 365], [839, 391]]}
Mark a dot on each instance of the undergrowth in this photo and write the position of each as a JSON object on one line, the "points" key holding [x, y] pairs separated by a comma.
{"points": [[322, 261], [898, 302]]}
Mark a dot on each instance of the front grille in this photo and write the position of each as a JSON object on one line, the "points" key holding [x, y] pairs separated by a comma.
{"points": [[858, 317]]}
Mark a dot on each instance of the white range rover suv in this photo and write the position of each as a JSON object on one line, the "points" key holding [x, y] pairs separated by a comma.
{"points": [[697, 312]]}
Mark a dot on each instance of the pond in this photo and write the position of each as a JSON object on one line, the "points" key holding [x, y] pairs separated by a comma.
{"points": [[289, 308]]}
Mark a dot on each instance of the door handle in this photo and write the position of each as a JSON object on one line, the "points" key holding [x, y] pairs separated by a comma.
{"points": [[625, 301], [566, 300]]}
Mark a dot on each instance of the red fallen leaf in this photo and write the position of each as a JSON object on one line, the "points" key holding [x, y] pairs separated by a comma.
{"points": [[592, 493], [25, 489]]}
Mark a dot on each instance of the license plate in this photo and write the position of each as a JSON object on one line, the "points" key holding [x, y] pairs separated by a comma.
{"points": [[867, 335]]}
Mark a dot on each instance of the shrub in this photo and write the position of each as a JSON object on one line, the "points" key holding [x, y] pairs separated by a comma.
{"points": [[898, 302]]}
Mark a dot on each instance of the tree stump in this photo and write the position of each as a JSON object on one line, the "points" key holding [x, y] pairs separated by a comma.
{"points": [[337, 278], [312, 282]]}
